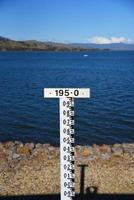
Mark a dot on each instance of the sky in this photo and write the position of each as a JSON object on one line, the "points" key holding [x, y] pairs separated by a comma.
{"points": [[95, 21]]}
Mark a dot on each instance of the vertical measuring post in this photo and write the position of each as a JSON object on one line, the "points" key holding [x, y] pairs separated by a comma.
{"points": [[66, 109], [67, 148]]}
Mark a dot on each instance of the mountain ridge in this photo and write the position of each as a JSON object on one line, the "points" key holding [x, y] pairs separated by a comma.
{"points": [[7, 44], [112, 46]]}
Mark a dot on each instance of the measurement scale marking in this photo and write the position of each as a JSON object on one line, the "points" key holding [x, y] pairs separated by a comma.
{"points": [[67, 156]]}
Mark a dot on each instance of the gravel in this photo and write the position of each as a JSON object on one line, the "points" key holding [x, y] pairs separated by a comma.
{"points": [[35, 168]]}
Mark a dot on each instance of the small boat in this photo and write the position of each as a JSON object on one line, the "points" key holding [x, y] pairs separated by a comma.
{"points": [[85, 55]]}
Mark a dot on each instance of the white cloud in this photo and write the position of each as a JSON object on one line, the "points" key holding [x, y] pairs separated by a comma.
{"points": [[110, 40]]}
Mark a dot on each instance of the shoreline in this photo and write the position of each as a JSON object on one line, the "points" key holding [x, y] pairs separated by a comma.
{"points": [[28, 168]]}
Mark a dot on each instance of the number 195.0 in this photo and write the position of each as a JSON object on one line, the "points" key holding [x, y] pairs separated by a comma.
{"points": [[62, 92]]}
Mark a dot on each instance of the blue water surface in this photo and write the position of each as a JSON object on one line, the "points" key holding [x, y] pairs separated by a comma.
{"points": [[107, 117]]}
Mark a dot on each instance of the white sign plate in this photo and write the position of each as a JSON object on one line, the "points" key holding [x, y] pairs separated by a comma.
{"points": [[66, 92]]}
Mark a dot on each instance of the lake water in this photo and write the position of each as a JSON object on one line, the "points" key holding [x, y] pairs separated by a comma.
{"points": [[107, 117]]}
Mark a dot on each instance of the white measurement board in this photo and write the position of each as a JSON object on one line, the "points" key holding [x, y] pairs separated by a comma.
{"points": [[66, 109]]}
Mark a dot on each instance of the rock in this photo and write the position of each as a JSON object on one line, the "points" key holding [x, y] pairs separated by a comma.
{"points": [[51, 148], [57, 153], [96, 149], [105, 149], [30, 146], [8, 147], [2, 156], [8, 144], [78, 147], [116, 145], [46, 145], [38, 145], [23, 151], [1, 146], [15, 156], [78, 150], [106, 156], [52, 152], [128, 148], [117, 150], [17, 143], [92, 157], [87, 151], [39, 156]]}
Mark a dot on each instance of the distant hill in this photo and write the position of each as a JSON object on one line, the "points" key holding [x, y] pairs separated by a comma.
{"points": [[114, 46], [33, 45]]}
